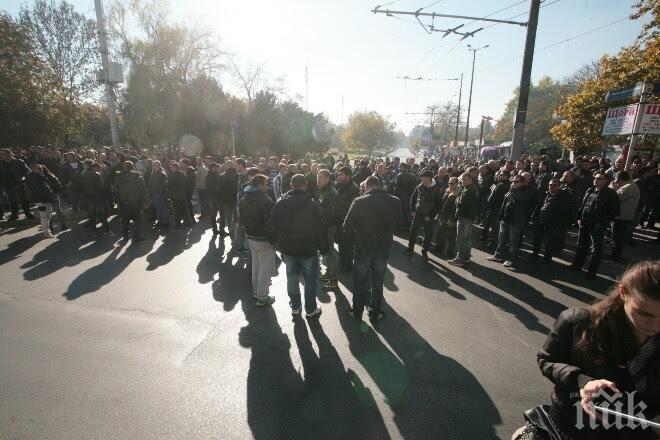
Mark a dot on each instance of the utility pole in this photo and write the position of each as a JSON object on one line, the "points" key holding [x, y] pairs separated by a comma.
{"points": [[467, 122], [458, 112], [525, 82], [105, 77]]}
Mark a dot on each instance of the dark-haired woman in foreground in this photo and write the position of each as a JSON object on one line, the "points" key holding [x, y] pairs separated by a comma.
{"points": [[612, 346]]}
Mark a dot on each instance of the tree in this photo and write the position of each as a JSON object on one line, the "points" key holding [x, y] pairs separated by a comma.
{"points": [[30, 112], [581, 116], [170, 88], [369, 133], [66, 41], [544, 98]]}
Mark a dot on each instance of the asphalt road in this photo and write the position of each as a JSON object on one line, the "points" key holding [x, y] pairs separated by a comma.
{"points": [[161, 340]]}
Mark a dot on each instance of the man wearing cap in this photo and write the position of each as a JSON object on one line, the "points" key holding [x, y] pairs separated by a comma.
{"points": [[425, 204]]}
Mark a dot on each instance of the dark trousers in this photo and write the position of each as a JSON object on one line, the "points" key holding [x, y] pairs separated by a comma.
{"points": [[345, 251], [446, 243], [96, 208], [589, 236], [17, 196], [427, 226], [619, 231], [405, 211], [204, 205], [491, 227], [180, 212], [73, 197], [368, 274], [552, 237], [213, 210], [131, 212], [189, 208]]}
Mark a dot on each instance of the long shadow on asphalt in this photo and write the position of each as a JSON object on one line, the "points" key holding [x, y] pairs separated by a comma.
{"points": [[281, 402], [68, 249], [174, 243], [431, 395], [94, 278], [16, 248], [433, 275]]}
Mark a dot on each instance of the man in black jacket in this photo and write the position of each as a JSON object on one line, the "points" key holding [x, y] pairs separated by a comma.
{"points": [[212, 195], [177, 189], [425, 205], [328, 199], [370, 224], [405, 185], [299, 228], [513, 219], [71, 171], [191, 184], [362, 172], [254, 209], [228, 196], [42, 189], [12, 174], [552, 222], [131, 194], [158, 192], [600, 206], [348, 191], [491, 223], [467, 210], [92, 190]]}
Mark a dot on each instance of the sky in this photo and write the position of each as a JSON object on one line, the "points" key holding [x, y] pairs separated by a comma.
{"points": [[354, 56]]}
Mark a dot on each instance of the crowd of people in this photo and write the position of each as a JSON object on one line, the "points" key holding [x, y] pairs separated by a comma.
{"points": [[304, 206]]}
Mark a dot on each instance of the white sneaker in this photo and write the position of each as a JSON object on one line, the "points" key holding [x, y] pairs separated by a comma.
{"points": [[47, 234], [508, 263], [314, 313]]}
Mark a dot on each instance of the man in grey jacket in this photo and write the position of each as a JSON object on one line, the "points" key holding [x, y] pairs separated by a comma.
{"points": [[628, 193]]}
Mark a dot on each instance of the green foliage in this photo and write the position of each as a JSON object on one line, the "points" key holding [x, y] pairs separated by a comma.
{"points": [[369, 133], [544, 98], [583, 113]]}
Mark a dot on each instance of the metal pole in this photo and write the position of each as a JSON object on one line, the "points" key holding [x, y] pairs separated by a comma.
{"points": [[641, 108], [458, 113], [481, 132], [525, 82], [467, 121], [109, 92]]}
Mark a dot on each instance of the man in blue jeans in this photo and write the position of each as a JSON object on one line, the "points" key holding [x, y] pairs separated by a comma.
{"points": [[370, 224], [300, 231]]}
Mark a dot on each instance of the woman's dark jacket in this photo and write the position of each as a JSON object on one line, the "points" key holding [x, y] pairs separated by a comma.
{"points": [[570, 367]]}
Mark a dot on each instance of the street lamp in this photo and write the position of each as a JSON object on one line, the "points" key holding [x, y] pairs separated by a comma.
{"points": [[474, 56]]}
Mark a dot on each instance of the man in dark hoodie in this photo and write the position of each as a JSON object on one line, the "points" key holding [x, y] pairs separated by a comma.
{"points": [[425, 205], [299, 229], [254, 209]]}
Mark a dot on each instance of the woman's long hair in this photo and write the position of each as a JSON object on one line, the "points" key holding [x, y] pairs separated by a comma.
{"points": [[608, 316]]}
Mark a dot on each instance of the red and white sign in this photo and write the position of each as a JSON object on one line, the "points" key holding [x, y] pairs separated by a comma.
{"points": [[651, 119], [620, 120]]}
